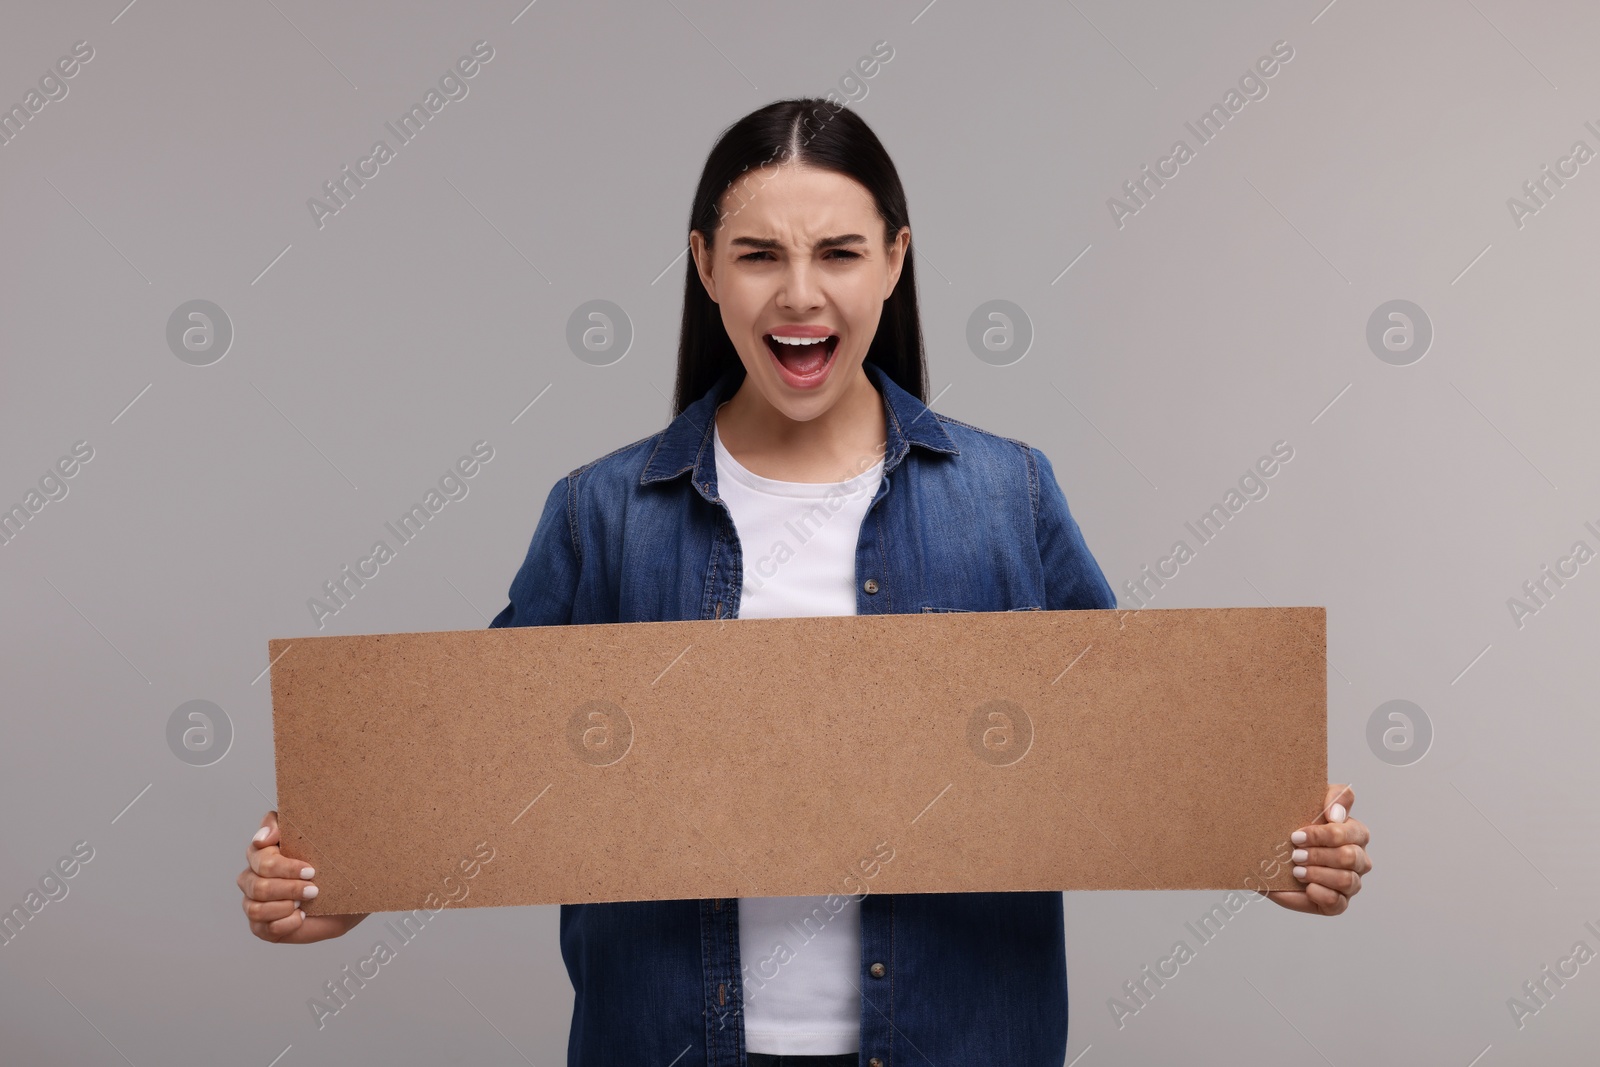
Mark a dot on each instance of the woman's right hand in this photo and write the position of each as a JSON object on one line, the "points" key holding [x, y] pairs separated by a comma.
{"points": [[273, 886]]}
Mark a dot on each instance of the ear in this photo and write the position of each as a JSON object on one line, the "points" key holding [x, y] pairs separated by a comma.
{"points": [[897, 259], [701, 251]]}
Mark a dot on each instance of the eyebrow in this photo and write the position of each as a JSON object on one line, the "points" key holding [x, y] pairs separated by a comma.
{"points": [[822, 243]]}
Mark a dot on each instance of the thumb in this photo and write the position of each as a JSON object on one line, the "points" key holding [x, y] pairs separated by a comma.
{"points": [[268, 834], [1336, 805]]}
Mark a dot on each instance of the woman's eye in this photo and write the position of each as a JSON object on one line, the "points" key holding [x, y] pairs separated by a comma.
{"points": [[839, 252]]}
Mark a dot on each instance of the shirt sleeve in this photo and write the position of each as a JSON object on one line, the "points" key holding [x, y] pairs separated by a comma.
{"points": [[546, 584], [1072, 578]]}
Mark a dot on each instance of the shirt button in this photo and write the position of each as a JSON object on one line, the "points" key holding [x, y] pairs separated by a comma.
{"points": [[876, 970], [875, 1062], [870, 585]]}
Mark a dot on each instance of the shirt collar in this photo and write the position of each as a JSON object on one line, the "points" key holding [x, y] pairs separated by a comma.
{"points": [[686, 443]]}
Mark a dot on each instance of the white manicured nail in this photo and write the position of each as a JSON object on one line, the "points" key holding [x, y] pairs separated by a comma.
{"points": [[1300, 872], [308, 872], [1300, 855], [1337, 813], [1298, 837], [261, 834], [309, 892]]}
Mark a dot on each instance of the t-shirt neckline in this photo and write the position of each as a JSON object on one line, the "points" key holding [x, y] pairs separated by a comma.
{"points": [[731, 467]]}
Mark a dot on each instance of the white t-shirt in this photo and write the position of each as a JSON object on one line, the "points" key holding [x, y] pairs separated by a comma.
{"points": [[801, 956]]}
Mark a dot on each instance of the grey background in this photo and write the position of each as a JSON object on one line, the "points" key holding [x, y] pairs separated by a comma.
{"points": [[1231, 312]]}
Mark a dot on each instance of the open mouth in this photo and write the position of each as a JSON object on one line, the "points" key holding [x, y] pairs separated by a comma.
{"points": [[803, 361]]}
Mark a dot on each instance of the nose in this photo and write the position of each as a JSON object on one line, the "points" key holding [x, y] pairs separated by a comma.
{"points": [[800, 290]]}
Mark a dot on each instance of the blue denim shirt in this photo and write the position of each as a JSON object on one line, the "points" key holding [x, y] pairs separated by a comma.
{"points": [[963, 520]]}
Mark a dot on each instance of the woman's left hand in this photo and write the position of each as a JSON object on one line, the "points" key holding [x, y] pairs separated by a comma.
{"points": [[1330, 857]]}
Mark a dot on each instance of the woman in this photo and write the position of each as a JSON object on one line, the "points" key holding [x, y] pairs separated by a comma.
{"points": [[803, 474]]}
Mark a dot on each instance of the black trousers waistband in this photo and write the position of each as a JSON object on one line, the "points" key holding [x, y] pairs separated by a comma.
{"points": [[762, 1059]]}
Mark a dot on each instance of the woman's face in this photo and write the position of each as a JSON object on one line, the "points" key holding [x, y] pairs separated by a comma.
{"points": [[799, 256]]}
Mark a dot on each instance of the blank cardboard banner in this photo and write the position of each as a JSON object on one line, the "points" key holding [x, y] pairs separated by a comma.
{"points": [[941, 752]]}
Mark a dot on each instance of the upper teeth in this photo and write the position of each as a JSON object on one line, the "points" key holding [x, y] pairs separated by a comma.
{"points": [[796, 340]]}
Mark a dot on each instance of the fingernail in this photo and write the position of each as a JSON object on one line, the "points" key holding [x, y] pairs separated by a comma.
{"points": [[1300, 873], [308, 872], [1298, 837], [309, 892], [1300, 855], [1337, 813], [261, 834]]}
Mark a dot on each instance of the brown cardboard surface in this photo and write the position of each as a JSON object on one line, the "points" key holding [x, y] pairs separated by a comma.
{"points": [[941, 752]]}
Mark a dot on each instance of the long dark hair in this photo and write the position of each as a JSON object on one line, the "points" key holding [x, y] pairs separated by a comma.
{"points": [[806, 130]]}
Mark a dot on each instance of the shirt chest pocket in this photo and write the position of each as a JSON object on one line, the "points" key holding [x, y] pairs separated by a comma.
{"points": [[975, 558]]}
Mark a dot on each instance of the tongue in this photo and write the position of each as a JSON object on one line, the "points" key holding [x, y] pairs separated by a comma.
{"points": [[804, 360]]}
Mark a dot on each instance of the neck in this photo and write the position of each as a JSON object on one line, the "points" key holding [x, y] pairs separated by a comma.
{"points": [[840, 443]]}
